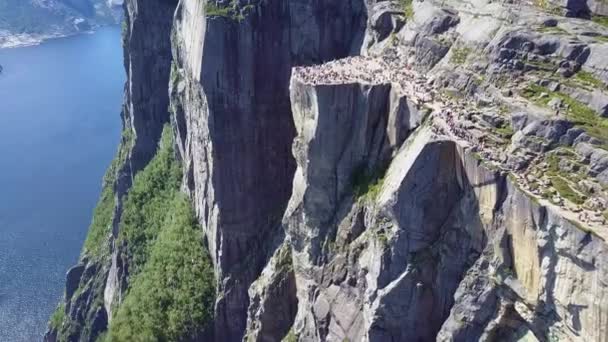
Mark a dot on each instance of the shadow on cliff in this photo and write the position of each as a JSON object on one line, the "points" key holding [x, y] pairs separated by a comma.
{"points": [[246, 112]]}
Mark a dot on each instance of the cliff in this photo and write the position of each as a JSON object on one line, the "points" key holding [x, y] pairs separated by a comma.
{"points": [[357, 171]]}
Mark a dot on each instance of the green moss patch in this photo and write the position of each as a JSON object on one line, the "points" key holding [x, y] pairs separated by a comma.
{"points": [[577, 112], [368, 184], [58, 317], [459, 55], [407, 7], [587, 78], [564, 189], [600, 20], [552, 30], [233, 11], [505, 131]]}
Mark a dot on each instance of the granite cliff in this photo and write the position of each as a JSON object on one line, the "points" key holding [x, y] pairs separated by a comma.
{"points": [[308, 170]]}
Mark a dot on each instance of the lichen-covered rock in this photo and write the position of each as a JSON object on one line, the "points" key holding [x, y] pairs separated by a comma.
{"points": [[273, 301]]}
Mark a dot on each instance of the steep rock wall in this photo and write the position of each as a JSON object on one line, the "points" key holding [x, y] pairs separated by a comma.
{"points": [[233, 117], [445, 248], [97, 283]]}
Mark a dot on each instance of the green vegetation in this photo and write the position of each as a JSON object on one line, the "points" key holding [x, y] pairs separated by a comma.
{"points": [[505, 131], [587, 78], [564, 189], [174, 74], [101, 225], [147, 203], [459, 55], [394, 39], [58, 316], [290, 337], [172, 298], [213, 10], [171, 294], [600, 20], [232, 11], [577, 112], [284, 262], [407, 7], [368, 184], [562, 181], [544, 65], [551, 29]]}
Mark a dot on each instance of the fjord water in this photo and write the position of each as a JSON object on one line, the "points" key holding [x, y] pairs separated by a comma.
{"points": [[59, 128]]}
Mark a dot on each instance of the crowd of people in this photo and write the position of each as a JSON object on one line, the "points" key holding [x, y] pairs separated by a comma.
{"points": [[359, 69], [390, 69]]}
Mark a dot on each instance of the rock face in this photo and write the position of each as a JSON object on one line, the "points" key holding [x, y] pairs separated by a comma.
{"points": [[233, 117], [90, 296], [447, 248], [362, 170]]}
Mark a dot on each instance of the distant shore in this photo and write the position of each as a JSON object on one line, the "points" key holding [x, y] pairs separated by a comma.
{"points": [[8, 40]]}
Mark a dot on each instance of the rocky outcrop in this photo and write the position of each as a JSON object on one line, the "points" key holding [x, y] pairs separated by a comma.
{"points": [[448, 247], [273, 301], [383, 281], [232, 113]]}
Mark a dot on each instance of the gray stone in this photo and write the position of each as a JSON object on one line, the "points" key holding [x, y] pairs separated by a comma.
{"points": [[234, 125], [550, 22], [72, 280]]}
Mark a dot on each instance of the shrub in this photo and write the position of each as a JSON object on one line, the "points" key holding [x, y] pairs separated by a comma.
{"points": [[171, 294], [58, 317], [459, 55], [172, 298], [101, 224], [368, 184], [148, 202], [407, 7]]}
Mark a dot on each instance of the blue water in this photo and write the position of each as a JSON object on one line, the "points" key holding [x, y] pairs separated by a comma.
{"points": [[59, 128]]}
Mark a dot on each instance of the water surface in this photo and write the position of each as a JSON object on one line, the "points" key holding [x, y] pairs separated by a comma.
{"points": [[59, 128]]}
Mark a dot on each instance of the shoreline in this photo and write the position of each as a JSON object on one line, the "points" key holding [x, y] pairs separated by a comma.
{"points": [[26, 40], [19, 40]]}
